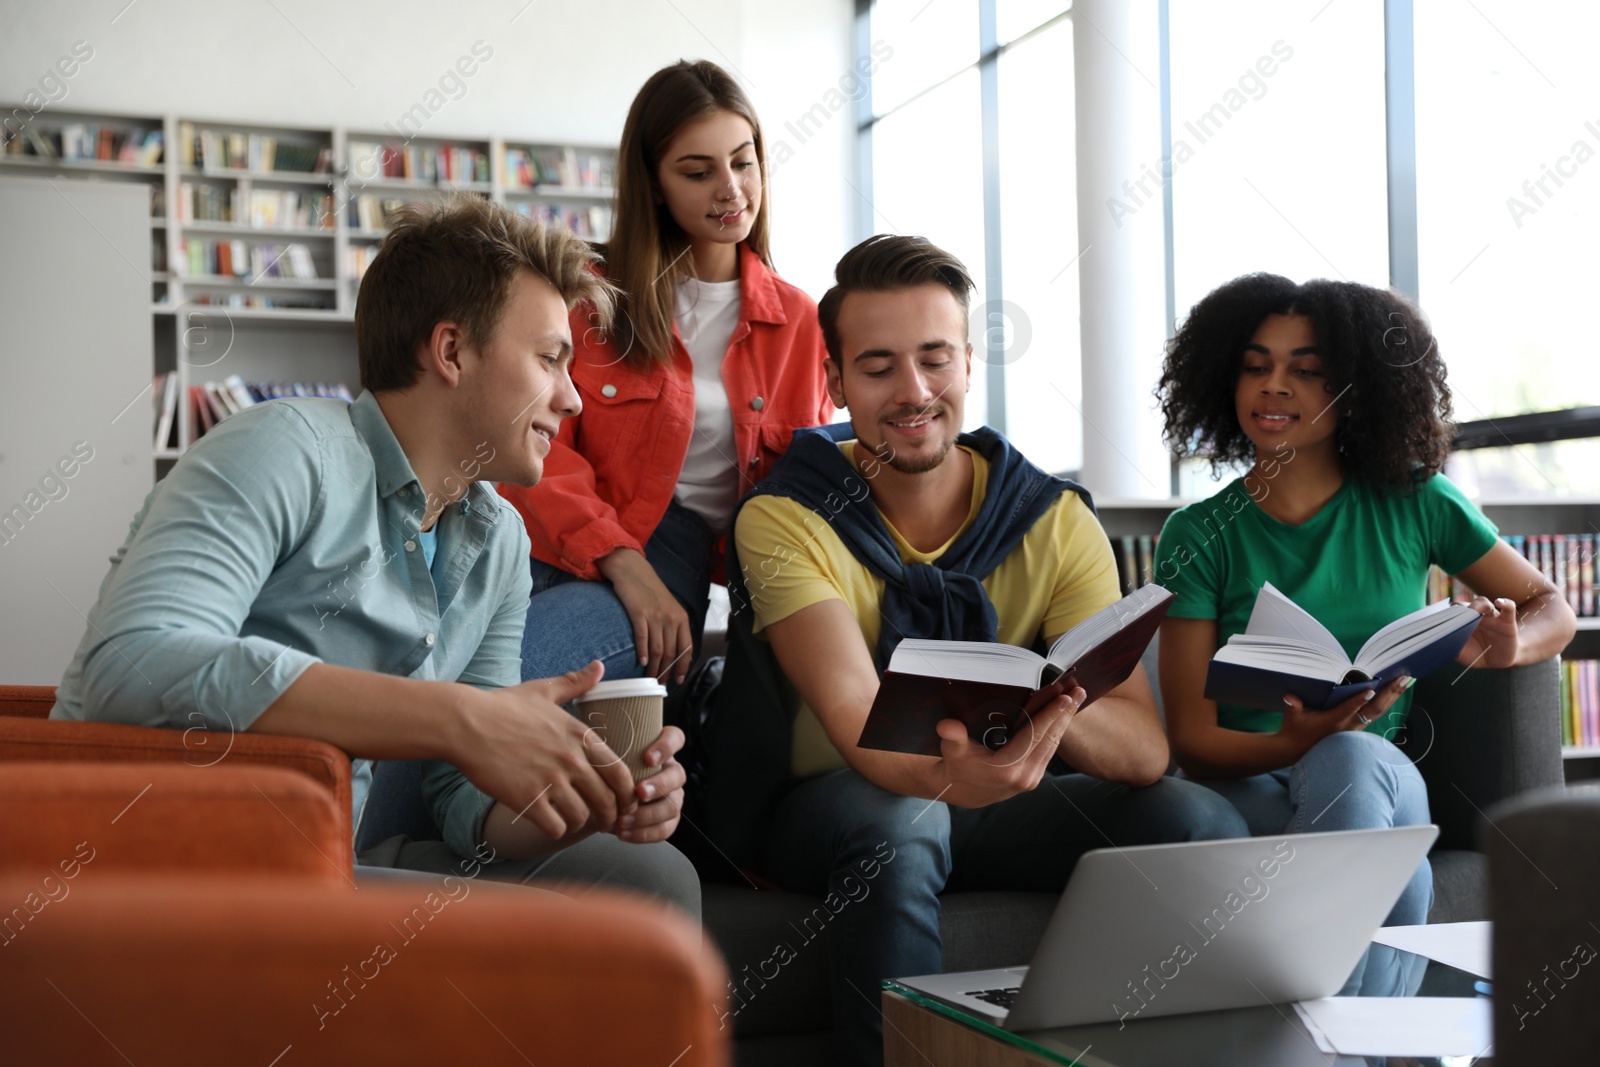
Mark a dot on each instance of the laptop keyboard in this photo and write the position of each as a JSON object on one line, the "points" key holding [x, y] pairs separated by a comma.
{"points": [[1000, 998]]}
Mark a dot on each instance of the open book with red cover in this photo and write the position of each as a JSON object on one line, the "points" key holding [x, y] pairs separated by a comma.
{"points": [[994, 688]]}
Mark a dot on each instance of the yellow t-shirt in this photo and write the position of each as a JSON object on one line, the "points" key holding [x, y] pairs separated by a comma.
{"points": [[1061, 573]]}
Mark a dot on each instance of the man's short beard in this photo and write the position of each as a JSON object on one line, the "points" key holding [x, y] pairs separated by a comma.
{"points": [[909, 464]]}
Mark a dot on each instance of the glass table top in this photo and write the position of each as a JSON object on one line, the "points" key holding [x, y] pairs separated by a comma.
{"points": [[1271, 1035]]}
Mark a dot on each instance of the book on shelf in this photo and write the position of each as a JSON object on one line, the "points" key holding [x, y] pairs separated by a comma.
{"points": [[1284, 650], [564, 167], [993, 688], [256, 299], [78, 142], [357, 259], [418, 163], [212, 402], [370, 212], [1136, 558], [592, 222], [165, 388], [238, 258], [41, 144], [1580, 703], [257, 153], [263, 209], [201, 417], [1567, 560]]}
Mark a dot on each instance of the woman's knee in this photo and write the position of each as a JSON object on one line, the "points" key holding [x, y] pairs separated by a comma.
{"points": [[1359, 753], [573, 623], [1359, 779]]}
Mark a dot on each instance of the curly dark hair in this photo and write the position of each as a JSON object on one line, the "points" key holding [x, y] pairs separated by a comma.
{"points": [[1380, 359]]}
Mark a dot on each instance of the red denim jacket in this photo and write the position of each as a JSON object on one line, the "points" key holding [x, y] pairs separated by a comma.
{"points": [[612, 470]]}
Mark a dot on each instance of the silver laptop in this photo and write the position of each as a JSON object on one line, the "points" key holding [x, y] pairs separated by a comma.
{"points": [[1157, 930]]}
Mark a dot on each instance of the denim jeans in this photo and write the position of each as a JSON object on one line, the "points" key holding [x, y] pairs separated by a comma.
{"points": [[572, 621], [1351, 780], [881, 860]]}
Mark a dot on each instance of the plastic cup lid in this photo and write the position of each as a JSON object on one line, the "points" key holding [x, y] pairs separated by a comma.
{"points": [[621, 688]]}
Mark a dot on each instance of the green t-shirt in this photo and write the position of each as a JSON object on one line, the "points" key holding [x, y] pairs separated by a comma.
{"points": [[1356, 565]]}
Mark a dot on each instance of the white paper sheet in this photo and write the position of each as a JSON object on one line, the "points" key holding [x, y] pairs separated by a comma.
{"points": [[1400, 1026], [1464, 946]]}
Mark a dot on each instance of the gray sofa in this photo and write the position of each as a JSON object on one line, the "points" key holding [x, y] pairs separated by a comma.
{"points": [[1478, 738]]}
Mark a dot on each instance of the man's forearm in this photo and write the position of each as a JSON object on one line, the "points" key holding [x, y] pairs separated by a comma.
{"points": [[1114, 740], [372, 715], [908, 776]]}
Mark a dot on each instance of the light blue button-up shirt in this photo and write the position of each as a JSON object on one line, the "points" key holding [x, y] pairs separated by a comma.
{"points": [[287, 536]]}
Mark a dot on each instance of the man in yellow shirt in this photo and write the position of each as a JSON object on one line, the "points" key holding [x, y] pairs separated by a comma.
{"points": [[913, 529]]}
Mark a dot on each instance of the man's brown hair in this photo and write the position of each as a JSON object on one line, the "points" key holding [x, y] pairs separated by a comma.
{"points": [[454, 261], [885, 263]]}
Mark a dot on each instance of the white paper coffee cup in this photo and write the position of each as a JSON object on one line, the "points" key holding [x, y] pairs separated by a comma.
{"points": [[626, 716]]}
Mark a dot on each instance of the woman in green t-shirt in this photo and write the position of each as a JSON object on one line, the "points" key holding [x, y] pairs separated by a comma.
{"points": [[1335, 393]]}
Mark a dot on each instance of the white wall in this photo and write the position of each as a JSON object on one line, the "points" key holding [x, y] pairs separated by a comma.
{"points": [[560, 70], [74, 404]]}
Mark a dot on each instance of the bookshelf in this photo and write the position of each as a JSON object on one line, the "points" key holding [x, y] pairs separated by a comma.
{"points": [[570, 184], [259, 233], [1512, 515]]}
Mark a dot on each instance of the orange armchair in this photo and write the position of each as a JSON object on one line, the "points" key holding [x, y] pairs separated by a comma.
{"points": [[166, 902], [190, 970], [25, 734], [27, 701], [59, 818]]}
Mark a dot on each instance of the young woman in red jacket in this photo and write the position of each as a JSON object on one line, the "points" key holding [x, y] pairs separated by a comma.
{"points": [[713, 362]]}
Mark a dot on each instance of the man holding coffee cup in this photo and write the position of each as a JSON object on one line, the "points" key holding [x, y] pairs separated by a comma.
{"points": [[335, 571]]}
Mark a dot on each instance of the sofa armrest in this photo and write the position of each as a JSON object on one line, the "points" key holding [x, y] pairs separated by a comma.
{"points": [[35, 740], [27, 701], [57, 818], [1544, 876], [201, 971], [1482, 736]]}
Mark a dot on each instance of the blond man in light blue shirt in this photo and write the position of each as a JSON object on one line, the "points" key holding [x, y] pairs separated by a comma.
{"points": [[337, 571]]}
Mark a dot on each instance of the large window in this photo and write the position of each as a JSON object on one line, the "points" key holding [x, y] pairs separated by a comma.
{"points": [[1291, 151], [1508, 175], [1038, 242], [1277, 144], [935, 105], [921, 188]]}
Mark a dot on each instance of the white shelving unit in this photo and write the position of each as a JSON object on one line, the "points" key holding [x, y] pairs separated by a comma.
{"points": [[307, 334]]}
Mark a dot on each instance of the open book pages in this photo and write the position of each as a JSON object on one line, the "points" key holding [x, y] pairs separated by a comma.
{"points": [[1001, 664], [1282, 636]]}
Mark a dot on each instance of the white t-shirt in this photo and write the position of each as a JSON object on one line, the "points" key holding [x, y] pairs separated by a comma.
{"points": [[706, 314]]}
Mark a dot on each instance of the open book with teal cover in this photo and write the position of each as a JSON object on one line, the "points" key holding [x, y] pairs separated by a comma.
{"points": [[1283, 650], [993, 688]]}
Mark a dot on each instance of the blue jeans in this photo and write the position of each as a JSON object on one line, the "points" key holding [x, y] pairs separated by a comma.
{"points": [[572, 621], [1351, 780], [881, 860]]}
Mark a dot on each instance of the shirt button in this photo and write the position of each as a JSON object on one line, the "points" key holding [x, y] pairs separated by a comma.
{"points": [[403, 492], [428, 640], [758, 403], [411, 546], [608, 391]]}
